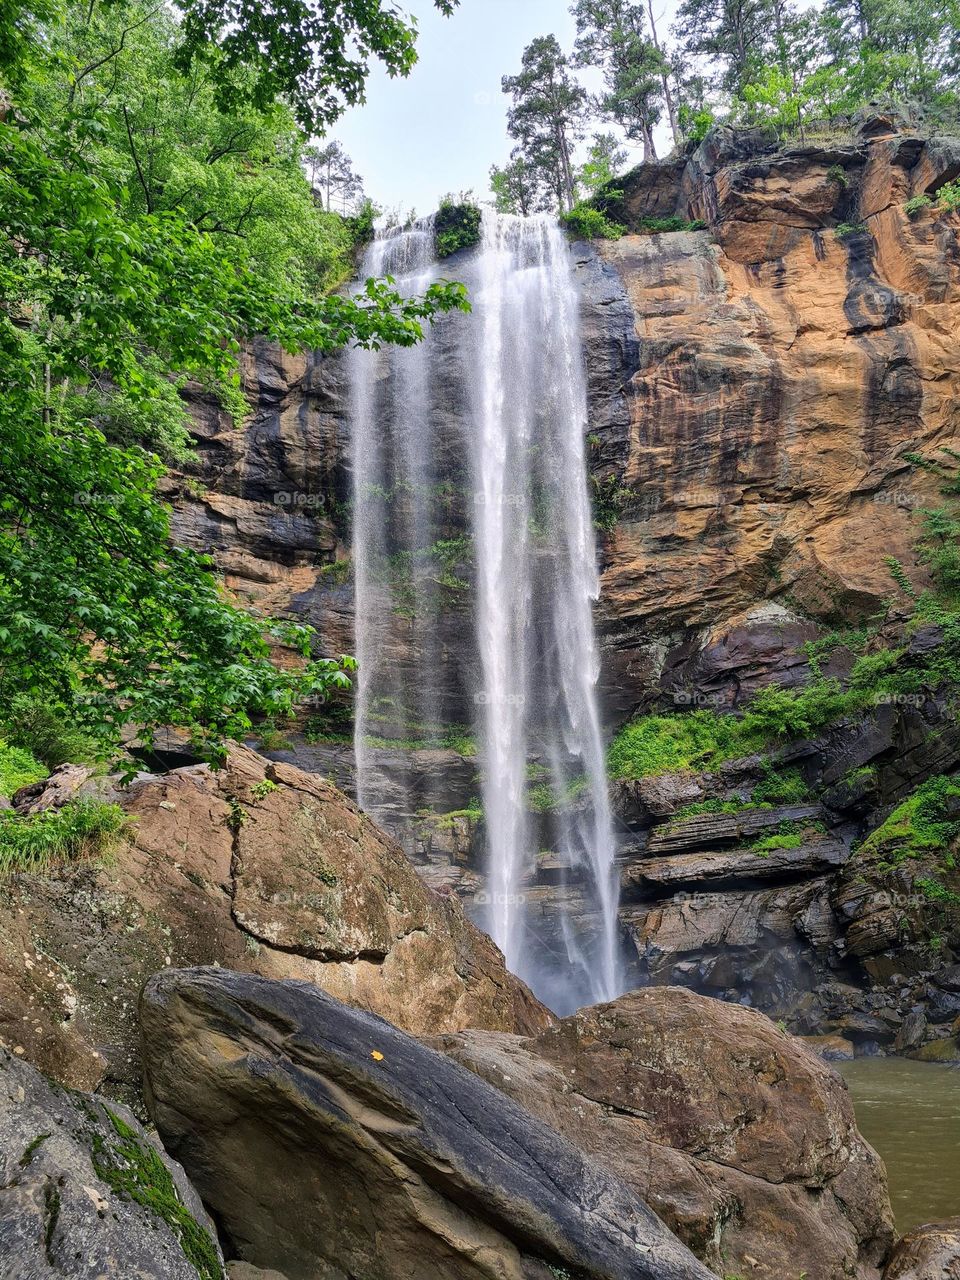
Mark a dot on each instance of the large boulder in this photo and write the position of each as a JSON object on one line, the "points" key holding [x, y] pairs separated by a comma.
{"points": [[85, 1193], [931, 1252], [330, 1144], [258, 867], [740, 1139]]}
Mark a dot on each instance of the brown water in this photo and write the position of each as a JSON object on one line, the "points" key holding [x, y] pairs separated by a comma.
{"points": [[910, 1113]]}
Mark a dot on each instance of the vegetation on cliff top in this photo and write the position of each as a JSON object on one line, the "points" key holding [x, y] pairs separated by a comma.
{"points": [[782, 66], [154, 216]]}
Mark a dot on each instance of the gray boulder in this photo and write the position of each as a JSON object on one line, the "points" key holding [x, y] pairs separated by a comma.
{"points": [[331, 1145], [85, 1193]]}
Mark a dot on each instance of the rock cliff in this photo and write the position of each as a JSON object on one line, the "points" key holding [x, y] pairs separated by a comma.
{"points": [[764, 390]]}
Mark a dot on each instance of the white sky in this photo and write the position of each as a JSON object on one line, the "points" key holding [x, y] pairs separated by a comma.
{"points": [[443, 127]]}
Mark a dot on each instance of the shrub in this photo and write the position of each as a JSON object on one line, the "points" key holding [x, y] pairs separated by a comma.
{"points": [[457, 225], [609, 499], [657, 226], [845, 230], [949, 196], [589, 223], [916, 204], [781, 788], [836, 173], [667, 743], [42, 729], [921, 823], [81, 828], [18, 768]]}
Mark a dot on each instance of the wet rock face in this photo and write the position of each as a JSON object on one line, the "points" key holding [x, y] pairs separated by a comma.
{"points": [[406, 1163], [85, 1193], [742, 1141], [258, 867]]}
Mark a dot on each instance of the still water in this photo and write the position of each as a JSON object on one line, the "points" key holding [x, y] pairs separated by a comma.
{"points": [[910, 1113]]}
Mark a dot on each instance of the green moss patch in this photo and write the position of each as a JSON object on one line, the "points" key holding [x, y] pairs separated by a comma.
{"points": [[134, 1171]]}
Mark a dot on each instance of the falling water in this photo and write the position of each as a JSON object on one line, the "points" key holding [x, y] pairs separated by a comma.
{"points": [[502, 391]]}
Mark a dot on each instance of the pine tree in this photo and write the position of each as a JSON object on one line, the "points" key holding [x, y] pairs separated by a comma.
{"points": [[611, 35], [547, 116]]}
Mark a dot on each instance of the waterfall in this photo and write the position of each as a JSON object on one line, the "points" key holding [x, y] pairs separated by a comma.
{"points": [[496, 401]]}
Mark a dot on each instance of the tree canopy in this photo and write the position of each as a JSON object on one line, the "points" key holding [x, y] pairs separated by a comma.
{"points": [[151, 224]]}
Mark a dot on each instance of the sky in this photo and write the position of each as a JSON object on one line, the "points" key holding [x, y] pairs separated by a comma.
{"points": [[443, 127]]}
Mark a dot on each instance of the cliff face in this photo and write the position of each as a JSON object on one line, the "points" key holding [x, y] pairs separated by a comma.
{"points": [[755, 389], [758, 384]]}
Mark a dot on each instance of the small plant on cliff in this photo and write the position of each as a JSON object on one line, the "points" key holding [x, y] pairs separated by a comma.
{"points": [[916, 204], [590, 223], [80, 828], [949, 196], [662, 226], [457, 224], [846, 230], [927, 821], [836, 173], [609, 499]]}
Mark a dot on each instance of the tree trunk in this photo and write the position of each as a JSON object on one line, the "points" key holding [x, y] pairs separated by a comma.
{"points": [[665, 81]]}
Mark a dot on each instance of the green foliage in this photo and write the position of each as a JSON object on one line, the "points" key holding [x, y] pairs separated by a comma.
{"points": [[604, 158], [260, 790], [315, 54], [134, 1170], [18, 768], [661, 226], [609, 499], [949, 196], [668, 743], [923, 823], [612, 36], [80, 828], [916, 204], [776, 787], [145, 235], [836, 173], [457, 224], [588, 223], [845, 230], [695, 122], [546, 117], [47, 732]]}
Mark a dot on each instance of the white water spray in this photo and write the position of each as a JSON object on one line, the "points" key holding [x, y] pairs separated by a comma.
{"points": [[512, 383]]}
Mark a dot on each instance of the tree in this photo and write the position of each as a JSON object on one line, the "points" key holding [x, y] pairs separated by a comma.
{"points": [[140, 245], [547, 115], [331, 174], [733, 35], [611, 35], [604, 158], [518, 187], [315, 54]]}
